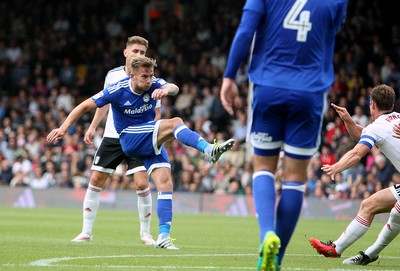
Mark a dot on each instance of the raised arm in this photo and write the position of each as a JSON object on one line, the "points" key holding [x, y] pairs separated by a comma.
{"points": [[75, 114], [167, 90], [352, 127], [348, 160]]}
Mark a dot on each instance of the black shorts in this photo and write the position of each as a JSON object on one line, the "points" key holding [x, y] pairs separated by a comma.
{"points": [[109, 155], [395, 190]]}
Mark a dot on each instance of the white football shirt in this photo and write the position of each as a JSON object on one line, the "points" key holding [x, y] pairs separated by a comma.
{"points": [[380, 133]]}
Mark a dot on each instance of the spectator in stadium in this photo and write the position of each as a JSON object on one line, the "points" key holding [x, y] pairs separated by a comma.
{"points": [[22, 164], [378, 133], [6, 174], [273, 61], [141, 135], [39, 181], [360, 117], [384, 170]]}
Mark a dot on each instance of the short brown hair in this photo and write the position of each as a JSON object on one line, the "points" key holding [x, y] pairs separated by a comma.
{"points": [[142, 61], [137, 40], [384, 97]]}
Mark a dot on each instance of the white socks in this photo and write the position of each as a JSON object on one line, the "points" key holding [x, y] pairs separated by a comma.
{"points": [[145, 203], [387, 234], [357, 228], [90, 208]]}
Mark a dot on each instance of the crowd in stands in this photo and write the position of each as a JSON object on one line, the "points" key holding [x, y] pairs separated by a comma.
{"points": [[55, 54]]}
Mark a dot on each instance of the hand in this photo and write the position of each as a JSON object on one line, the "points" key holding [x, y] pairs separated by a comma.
{"points": [[329, 169], [396, 130], [342, 112], [55, 135], [159, 93], [230, 95], [89, 136]]}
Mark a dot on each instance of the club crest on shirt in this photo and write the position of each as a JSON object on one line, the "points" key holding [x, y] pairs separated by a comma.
{"points": [[98, 95], [146, 97]]}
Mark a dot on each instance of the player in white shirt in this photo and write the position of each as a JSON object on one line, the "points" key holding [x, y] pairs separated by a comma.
{"points": [[109, 155], [379, 133]]}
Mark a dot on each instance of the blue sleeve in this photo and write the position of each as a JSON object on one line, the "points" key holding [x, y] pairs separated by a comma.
{"points": [[158, 83], [101, 98], [341, 15], [242, 41]]}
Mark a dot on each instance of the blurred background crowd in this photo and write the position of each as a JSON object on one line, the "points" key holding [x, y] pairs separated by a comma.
{"points": [[54, 54]]}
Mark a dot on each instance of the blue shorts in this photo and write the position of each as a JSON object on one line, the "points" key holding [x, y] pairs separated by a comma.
{"points": [[287, 119], [141, 141]]}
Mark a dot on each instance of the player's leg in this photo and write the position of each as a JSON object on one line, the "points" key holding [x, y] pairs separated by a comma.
{"points": [[380, 202], [264, 196], [160, 171], [162, 178], [385, 237], [266, 138], [302, 126], [144, 197], [291, 200], [147, 139], [170, 128], [91, 204], [108, 156]]}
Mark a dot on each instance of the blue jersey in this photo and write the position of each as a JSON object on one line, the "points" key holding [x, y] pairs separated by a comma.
{"points": [[294, 42], [129, 108]]}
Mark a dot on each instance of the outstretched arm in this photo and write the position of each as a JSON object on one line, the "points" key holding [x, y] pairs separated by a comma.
{"points": [[348, 160], [98, 116], [352, 127], [75, 114]]}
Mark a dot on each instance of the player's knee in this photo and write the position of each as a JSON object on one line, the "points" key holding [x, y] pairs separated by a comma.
{"points": [[141, 180], [164, 184], [176, 121], [367, 206], [141, 183], [98, 179]]}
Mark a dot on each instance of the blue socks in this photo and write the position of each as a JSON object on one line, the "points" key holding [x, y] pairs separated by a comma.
{"points": [[164, 212], [288, 212], [190, 138], [264, 200]]}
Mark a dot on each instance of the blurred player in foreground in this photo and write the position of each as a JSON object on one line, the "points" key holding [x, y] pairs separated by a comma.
{"points": [[133, 102], [292, 70], [109, 155], [379, 133]]}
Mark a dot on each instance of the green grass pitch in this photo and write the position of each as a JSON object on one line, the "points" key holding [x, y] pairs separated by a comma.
{"points": [[39, 239]]}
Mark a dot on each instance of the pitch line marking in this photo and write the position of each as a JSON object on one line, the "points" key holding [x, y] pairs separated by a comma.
{"points": [[49, 262]]}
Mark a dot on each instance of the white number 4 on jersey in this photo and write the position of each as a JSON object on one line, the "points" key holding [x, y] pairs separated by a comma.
{"points": [[299, 20]]}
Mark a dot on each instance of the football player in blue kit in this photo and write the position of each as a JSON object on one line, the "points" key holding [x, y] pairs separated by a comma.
{"points": [[133, 101], [109, 155], [292, 70]]}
